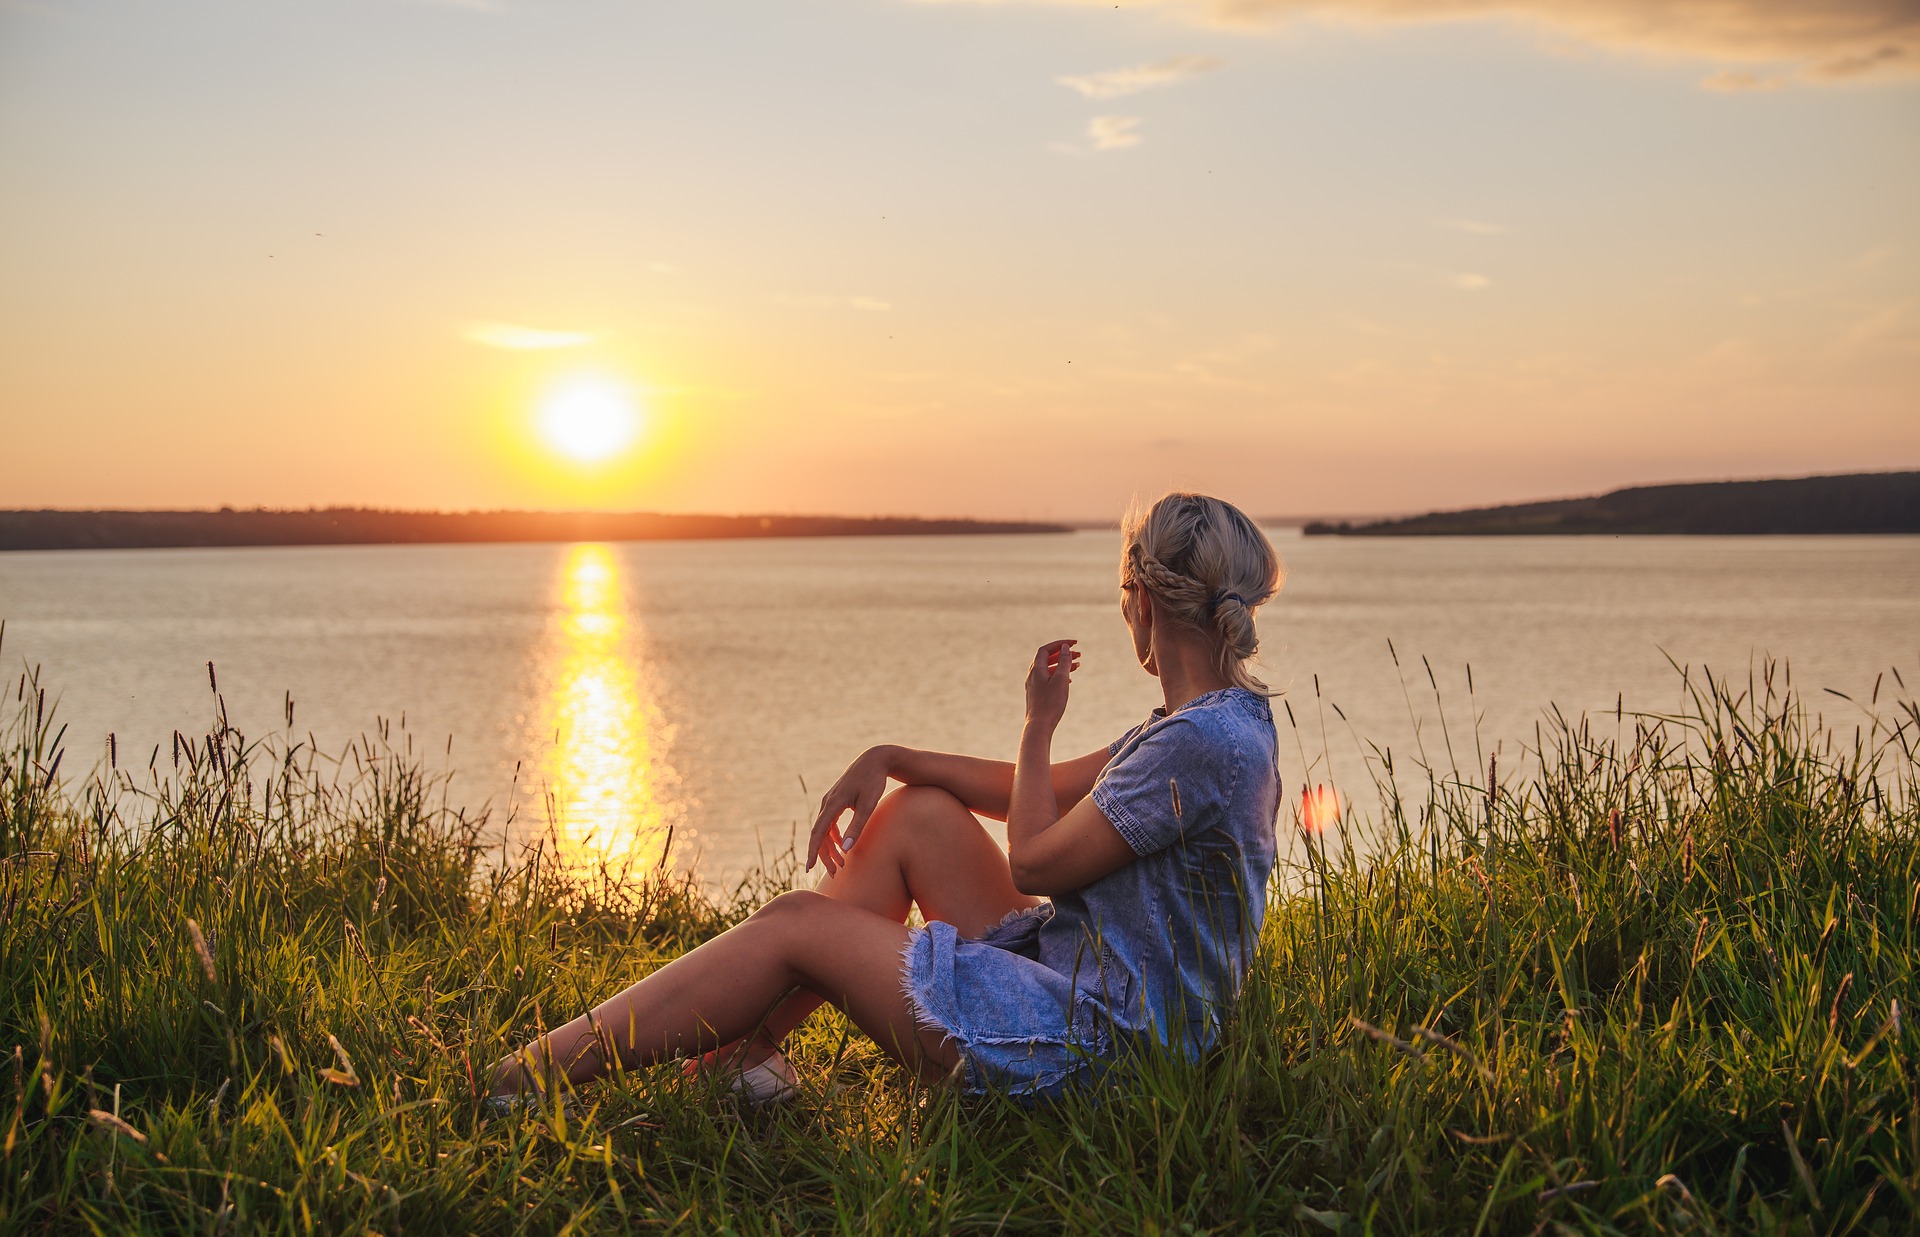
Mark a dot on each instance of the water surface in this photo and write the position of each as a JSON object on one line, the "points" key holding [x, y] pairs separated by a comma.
{"points": [[698, 685]]}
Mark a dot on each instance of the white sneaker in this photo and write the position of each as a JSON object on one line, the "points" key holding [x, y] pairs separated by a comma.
{"points": [[770, 1082]]}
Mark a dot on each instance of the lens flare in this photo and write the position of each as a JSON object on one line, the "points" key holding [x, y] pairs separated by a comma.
{"points": [[1319, 809]]}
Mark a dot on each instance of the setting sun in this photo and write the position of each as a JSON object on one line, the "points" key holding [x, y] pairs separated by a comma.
{"points": [[589, 421]]}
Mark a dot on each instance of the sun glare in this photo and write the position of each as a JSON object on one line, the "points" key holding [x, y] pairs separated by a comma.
{"points": [[610, 800], [589, 421]]}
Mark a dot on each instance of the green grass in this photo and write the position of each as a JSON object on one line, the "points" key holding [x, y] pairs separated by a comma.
{"points": [[1646, 983]]}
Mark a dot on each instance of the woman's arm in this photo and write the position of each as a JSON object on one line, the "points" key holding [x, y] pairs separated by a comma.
{"points": [[985, 786], [1049, 852]]}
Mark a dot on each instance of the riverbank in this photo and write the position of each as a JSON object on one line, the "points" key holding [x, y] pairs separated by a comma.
{"points": [[152, 530], [1663, 980]]}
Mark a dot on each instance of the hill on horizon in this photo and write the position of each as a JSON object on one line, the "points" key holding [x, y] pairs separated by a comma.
{"points": [[1884, 502]]}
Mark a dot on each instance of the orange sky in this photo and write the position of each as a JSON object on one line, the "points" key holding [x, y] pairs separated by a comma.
{"points": [[1012, 259]]}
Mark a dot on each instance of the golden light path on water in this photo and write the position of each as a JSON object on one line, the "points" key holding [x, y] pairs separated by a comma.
{"points": [[606, 780]]}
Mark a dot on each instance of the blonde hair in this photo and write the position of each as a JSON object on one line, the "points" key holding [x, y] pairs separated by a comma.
{"points": [[1209, 567]]}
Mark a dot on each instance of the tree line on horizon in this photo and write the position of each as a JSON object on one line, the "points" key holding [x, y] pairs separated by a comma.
{"points": [[101, 530]]}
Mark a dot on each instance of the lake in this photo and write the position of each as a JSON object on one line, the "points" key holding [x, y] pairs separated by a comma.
{"points": [[700, 685]]}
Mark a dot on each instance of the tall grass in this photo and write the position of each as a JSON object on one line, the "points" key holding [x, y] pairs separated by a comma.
{"points": [[1652, 982]]}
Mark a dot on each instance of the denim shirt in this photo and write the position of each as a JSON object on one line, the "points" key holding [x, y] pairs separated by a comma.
{"points": [[1153, 951], [1196, 794]]}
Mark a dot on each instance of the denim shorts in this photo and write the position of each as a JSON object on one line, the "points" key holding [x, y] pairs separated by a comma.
{"points": [[1022, 1028]]}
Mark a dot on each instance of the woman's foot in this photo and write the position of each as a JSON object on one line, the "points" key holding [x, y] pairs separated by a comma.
{"points": [[770, 1080], [524, 1102], [512, 1088]]}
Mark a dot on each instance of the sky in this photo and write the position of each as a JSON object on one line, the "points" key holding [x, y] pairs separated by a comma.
{"points": [[1024, 259]]}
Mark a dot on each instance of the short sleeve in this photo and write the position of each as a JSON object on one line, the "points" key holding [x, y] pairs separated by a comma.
{"points": [[1164, 785]]}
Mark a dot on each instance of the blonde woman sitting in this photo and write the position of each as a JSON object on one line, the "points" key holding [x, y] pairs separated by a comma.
{"points": [[1123, 913]]}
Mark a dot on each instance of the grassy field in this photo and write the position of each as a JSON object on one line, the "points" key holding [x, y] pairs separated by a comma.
{"points": [[1652, 980]]}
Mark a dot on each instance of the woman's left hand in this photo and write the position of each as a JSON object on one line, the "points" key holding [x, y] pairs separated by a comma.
{"points": [[1047, 682], [858, 790]]}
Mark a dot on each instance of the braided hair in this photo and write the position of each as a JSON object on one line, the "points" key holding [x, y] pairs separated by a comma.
{"points": [[1209, 567]]}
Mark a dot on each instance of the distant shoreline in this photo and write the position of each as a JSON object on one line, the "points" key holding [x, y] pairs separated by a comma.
{"points": [[226, 528], [1850, 503]]}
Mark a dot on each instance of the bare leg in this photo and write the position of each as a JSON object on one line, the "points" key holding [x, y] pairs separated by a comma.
{"points": [[722, 991], [840, 944], [921, 847]]}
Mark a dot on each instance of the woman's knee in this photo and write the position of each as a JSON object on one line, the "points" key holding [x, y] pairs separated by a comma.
{"points": [[915, 808], [791, 905]]}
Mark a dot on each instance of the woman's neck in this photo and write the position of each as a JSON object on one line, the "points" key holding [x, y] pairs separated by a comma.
{"points": [[1187, 670]]}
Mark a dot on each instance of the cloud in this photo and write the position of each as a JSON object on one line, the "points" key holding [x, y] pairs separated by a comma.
{"points": [[1474, 227], [1741, 81], [1872, 259], [1812, 41], [524, 338], [1112, 83], [1467, 281], [1113, 132], [866, 304], [1897, 57], [1881, 327]]}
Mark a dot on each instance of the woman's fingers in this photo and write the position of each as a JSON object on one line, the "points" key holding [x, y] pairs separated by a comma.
{"points": [[816, 835], [855, 827], [1053, 666], [823, 830]]}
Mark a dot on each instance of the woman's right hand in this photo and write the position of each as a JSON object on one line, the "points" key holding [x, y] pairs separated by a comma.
{"points": [[1047, 681], [858, 791]]}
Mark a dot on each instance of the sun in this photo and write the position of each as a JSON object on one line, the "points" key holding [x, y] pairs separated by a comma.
{"points": [[589, 421]]}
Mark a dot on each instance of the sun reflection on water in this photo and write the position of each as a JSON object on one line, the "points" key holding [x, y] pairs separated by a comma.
{"points": [[606, 780]]}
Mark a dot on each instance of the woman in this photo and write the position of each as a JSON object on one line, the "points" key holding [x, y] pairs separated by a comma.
{"points": [[1124, 910]]}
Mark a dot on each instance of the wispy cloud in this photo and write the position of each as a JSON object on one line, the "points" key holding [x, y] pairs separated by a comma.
{"points": [[865, 304], [1871, 259], [1467, 281], [1898, 57], [1741, 81], [1113, 132], [1809, 41], [524, 338], [1474, 227], [1883, 327], [1113, 83]]}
